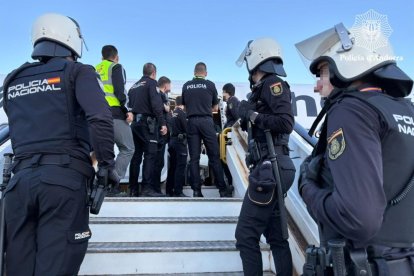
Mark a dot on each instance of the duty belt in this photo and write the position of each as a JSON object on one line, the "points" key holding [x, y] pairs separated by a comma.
{"points": [[279, 149], [62, 160], [382, 267], [139, 116]]}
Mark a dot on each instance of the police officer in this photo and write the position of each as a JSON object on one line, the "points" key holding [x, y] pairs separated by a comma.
{"points": [[232, 109], [232, 115], [177, 148], [199, 97], [357, 181], [164, 87], [113, 78], [52, 106], [268, 108], [149, 123]]}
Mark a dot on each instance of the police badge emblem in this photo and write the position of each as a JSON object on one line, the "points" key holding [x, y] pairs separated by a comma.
{"points": [[336, 144], [277, 89]]}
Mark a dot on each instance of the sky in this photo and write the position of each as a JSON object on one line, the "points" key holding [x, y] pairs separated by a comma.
{"points": [[176, 34]]}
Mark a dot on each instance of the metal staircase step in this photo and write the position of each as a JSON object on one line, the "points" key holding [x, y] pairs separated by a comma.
{"points": [[178, 246], [161, 220], [149, 229], [194, 274], [170, 207], [169, 199], [164, 258]]}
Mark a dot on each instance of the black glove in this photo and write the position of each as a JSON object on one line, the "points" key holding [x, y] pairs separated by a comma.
{"points": [[245, 111], [310, 170], [113, 178], [303, 174]]}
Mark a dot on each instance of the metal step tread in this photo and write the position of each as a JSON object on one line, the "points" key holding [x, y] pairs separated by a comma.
{"points": [[240, 273], [172, 199], [159, 220], [174, 246]]}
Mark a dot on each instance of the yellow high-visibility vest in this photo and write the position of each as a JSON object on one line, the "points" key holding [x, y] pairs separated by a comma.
{"points": [[104, 69]]}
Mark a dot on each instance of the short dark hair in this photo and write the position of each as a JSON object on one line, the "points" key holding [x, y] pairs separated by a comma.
{"points": [[200, 67], [109, 51], [179, 100], [229, 89], [148, 69], [163, 81]]}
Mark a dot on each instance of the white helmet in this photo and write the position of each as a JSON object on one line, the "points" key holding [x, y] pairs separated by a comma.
{"points": [[56, 35], [350, 61], [264, 54]]}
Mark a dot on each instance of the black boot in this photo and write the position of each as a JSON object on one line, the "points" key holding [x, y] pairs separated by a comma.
{"points": [[152, 193], [227, 192], [197, 193], [133, 193]]}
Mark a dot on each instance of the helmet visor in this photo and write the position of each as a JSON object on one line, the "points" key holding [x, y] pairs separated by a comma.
{"points": [[318, 45], [246, 52], [80, 36]]}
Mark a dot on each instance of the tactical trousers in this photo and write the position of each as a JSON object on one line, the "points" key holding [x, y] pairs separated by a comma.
{"points": [[47, 220], [159, 162], [146, 145], [178, 161], [202, 128], [255, 220]]}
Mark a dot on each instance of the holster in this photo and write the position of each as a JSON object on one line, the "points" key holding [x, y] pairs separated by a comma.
{"points": [[253, 155], [182, 138], [152, 124]]}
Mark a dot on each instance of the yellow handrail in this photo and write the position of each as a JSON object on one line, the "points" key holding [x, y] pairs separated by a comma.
{"points": [[223, 142]]}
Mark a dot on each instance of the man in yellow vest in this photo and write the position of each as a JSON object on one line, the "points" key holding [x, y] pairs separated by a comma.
{"points": [[113, 78]]}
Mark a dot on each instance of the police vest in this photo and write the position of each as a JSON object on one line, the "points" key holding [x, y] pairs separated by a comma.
{"points": [[397, 144], [104, 70], [44, 116]]}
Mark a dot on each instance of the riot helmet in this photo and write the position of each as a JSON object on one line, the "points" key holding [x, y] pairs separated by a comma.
{"points": [[348, 61], [263, 54], [55, 35]]}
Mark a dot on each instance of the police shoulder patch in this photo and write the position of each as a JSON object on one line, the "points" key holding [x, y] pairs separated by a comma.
{"points": [[277, 89], [336, 144]]}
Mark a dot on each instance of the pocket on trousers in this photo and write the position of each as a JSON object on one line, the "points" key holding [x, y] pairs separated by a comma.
{"points": [[287, 172], [262, 184], [64, 177]]}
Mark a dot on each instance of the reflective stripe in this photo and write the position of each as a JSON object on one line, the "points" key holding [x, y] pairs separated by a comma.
{"points": [[104, 70], [108, 94]]}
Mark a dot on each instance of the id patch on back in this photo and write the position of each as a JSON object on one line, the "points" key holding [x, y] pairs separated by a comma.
{"points": [[277, 89], [336, 144]]}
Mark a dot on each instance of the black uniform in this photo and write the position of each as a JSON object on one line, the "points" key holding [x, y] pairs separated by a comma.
{"points": [[177, 147], [232, 111], [118, 81], [52, 107], [146, 104], [271, 98], [199, 96], [364, 167], [162, 142]]}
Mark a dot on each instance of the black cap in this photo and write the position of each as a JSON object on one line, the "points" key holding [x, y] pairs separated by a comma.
{"points": [[262, 184]]}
